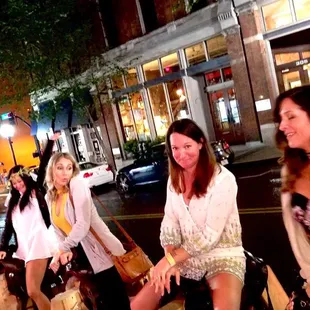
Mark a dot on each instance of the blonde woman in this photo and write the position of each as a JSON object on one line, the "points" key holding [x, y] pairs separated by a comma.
{"points": [[72, 224]]}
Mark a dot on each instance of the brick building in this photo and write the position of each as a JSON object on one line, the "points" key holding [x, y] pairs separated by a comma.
{"points": [[221, 63]]}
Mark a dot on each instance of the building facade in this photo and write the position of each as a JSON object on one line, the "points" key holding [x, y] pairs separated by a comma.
{"points": [[221, 63]]}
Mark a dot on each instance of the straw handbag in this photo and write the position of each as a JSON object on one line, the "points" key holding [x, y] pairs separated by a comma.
{"points": [[133, 265]]}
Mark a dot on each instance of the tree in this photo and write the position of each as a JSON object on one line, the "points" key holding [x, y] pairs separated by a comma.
{"points": [[50, 45]]}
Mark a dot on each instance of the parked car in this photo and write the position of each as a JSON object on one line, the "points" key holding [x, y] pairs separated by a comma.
{"points": [[95, 174], [155, 169]]}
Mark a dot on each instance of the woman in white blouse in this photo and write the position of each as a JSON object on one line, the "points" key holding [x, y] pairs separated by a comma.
{"points": [[72, 220], [201, 231]]}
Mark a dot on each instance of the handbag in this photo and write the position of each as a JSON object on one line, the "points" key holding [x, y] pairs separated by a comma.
{"points": [[133, 265]]}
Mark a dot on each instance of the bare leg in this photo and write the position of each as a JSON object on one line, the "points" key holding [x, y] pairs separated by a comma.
{"points": [[35, 271], [146, 299], [226, 291]]}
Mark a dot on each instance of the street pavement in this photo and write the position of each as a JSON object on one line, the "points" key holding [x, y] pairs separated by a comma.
{"points": [[260, 214]]}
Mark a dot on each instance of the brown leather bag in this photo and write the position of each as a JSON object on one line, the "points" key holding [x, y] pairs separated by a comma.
{"points": [[133, 265]]}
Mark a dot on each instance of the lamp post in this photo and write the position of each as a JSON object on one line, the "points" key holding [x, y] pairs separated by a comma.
{"points": [[7, 131]]}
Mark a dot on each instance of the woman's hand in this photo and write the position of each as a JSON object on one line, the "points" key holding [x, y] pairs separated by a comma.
{"points": [[158, 275], [55, 136], [2, 255], [173, 271], [66, 257], [54, 265]]}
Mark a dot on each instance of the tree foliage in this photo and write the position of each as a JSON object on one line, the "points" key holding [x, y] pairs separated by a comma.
{"points": [[47, 45]]}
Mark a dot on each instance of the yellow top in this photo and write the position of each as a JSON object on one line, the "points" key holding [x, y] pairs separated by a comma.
{"points": [[60, 220]]}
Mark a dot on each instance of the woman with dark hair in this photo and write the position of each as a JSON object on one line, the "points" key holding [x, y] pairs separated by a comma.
{"points": [[201, 231], [28, 221], [292, 112]]}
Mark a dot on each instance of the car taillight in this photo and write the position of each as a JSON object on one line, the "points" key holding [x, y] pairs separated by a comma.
{"points": [[108, 168], [87, 175]]}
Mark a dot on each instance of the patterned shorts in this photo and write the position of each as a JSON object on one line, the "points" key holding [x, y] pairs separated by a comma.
{"points": [[232, 265]]}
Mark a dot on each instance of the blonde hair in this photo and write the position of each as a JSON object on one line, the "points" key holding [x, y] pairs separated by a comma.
{"points": [[49, 177]]}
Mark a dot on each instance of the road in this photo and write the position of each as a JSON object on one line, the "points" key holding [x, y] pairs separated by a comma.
{"points": [[259, 204]]}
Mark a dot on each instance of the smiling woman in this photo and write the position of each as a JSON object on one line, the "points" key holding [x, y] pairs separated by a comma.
{"points": [[292, 112]]}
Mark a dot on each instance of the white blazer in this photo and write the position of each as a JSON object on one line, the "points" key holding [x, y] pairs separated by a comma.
{"points": [[81, 217]]}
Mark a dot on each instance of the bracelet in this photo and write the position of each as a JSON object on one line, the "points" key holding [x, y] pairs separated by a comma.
{"points": [[170, 259]]}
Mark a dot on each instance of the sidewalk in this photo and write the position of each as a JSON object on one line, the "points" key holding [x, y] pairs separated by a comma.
{"points": [[257, 151]]}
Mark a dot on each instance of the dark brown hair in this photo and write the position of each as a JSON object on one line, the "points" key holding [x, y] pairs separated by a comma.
{"points": [[206, 163], [294, 158]]}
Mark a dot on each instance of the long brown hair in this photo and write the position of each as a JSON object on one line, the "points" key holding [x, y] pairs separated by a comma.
{"points": [[206, 163], [294, 158]]}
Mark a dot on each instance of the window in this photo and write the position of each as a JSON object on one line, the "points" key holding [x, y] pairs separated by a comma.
{"points": [[149, 15], [227, 74], [151, 70], [305, 55], [131, 77], [139, 114], [178, 99], [302, 8], [195, 54], [277, 14], [170, 63], [117, 82], [133, 117], [127, 118], [213, 77], [160, 109], [285, 58], [168, 11], [216, 47]]}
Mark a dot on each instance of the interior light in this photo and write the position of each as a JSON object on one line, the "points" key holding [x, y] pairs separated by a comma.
{"points": [[179, 92]]}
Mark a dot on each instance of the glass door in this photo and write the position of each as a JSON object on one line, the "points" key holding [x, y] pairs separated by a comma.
{"points": [[226, 116]]}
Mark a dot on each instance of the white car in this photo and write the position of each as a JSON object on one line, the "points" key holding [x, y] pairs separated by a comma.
{"points": [[95, 174]]}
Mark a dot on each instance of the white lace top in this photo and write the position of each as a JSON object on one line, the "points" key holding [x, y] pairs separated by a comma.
{"points": [[208, 228]]}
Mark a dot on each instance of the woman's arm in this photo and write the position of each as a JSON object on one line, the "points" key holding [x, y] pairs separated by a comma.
{"points": [[7, 233], [170, 232], [45, 158], [82, 208]]}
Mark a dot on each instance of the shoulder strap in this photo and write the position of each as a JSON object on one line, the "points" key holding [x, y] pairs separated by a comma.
{"points": [[92, 230], [120, 227]]}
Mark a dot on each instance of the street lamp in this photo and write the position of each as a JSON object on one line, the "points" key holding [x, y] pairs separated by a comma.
{"points": [[7, 131]]}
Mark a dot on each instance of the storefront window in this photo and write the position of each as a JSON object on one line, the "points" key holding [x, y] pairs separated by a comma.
{"points": [[151, 70], [213, 77], [277, 14], [195, 54], [178, 99], [131, 77], [291, 80], [285, 58], [159, 108], [302, 8], [216, 47], [170, 63], [117, 82], [139, 115], [227, 74], [127, 118], [305, 55]]}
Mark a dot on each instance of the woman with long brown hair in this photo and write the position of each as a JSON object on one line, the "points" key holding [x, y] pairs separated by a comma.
{"points": [[292, 113], [201, 231]]}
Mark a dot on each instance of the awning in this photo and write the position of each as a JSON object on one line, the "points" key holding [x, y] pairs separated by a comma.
{"points": [[65, 117]]}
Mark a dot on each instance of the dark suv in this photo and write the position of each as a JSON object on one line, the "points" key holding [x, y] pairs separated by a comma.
{"points": [[155, 168]]}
